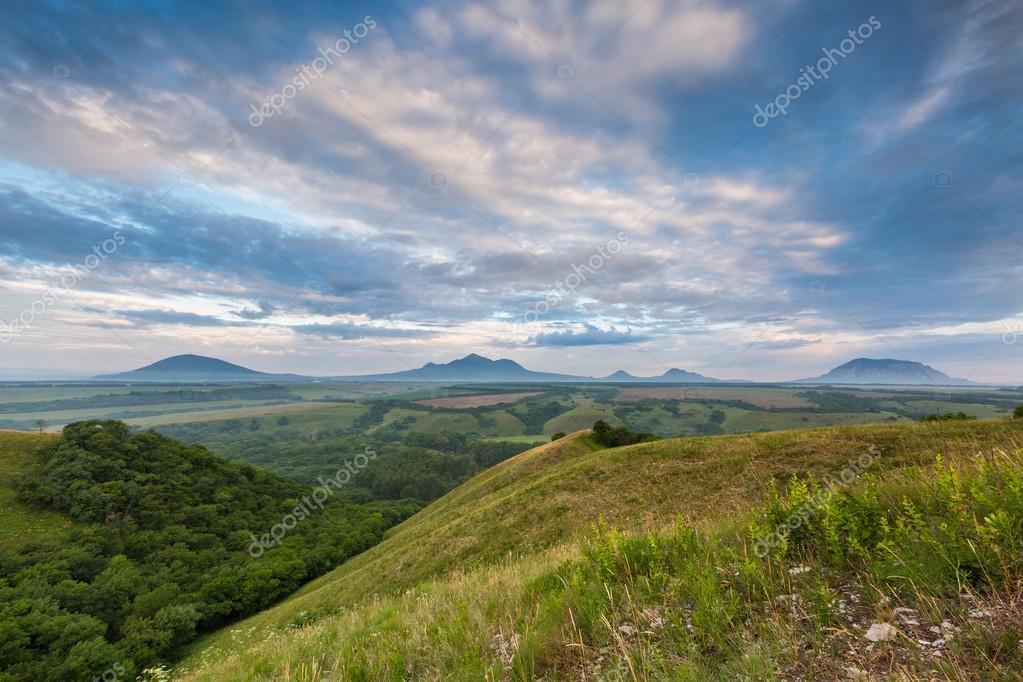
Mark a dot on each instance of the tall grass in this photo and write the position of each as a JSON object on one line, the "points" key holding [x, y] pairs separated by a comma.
{"points": [[935, 551]]}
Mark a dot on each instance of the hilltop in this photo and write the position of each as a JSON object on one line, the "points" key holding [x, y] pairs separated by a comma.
{"points": [[524, 516], [190, 368], [471, 368]]}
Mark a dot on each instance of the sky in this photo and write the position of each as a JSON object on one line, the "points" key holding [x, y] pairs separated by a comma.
{"points": [[747, 189]]}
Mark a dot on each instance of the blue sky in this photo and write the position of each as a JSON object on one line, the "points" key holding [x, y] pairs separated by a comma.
{"points": [[581, 187]]}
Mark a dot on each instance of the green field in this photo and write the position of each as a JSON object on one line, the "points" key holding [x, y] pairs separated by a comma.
{"points": [[22, 524], [659, 409]]}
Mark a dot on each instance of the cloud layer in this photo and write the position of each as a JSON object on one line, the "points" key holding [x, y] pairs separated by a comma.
{"points": [[462, 163]]}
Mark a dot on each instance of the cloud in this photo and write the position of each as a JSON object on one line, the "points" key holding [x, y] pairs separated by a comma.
{"points": [[588, 336], [147, 317], [328, 220], [349, 331], [266, 309]]}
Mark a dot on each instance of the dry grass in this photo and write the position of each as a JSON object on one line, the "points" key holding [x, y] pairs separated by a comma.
{"points": [[551, 495], [468, 401]]}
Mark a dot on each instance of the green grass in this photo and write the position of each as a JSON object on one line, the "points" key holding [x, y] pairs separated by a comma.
{"points": [[19, 523], [525, 513], [182, 411], [738, 420], [693, 603], [581, 416], [430, 422]]}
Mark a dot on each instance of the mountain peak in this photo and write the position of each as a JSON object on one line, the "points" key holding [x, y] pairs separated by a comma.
{"points": [[621, 374], [886, 371], [189, 367]]}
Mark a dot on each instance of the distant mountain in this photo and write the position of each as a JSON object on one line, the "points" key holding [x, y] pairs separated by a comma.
{"points": [[675, 374], [887, 371], [672, 375], [196, 369], [620, 376], [471, 368]]}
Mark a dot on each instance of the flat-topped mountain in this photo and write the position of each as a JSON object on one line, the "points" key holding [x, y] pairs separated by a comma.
{"points": [[886, 371]]}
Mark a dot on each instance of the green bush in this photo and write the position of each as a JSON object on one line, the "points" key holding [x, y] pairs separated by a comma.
{"points": [[160, 550], [558, 435], [947, 416], [611, 437], [1018, 412]]}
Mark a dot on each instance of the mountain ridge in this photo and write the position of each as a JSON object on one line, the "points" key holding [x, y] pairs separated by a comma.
{"points": [[476, 368]]}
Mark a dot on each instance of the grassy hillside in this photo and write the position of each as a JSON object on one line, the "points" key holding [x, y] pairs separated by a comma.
{"points": [[514, 520], [21, 523]]}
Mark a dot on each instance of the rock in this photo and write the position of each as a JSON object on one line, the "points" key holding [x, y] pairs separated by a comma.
{"points": [[904, 614], [854, 673], [881, 632], [627, 630], [799, 570], [979, 613]]}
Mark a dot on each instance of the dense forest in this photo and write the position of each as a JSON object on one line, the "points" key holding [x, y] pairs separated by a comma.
{"points": [[409, 465], [159, 549]]}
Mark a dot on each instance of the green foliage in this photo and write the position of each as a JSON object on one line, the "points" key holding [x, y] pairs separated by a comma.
{"points": [[420, 466], [537, 412], [559, 435], [1018, 412], [947, 416], [611, 437], [159, 553]]}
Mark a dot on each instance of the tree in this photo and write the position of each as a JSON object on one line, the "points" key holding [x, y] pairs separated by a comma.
{"points": [[610, 437], [559, 435], [41, 425], [1018, 413]]}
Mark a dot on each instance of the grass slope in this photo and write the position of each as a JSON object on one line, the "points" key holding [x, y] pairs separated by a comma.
{"points": [[20, 523], [533, 505]]}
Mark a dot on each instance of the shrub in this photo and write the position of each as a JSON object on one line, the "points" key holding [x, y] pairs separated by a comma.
{"points": [[1018, 413], [558, 435], [611, 437], [947, 416]]}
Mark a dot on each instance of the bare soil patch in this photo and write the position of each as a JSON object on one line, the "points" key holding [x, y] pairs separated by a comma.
{"points": [[467, 401]]}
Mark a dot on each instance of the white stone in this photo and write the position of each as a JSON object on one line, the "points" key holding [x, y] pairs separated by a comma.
{"points": [[881, 632]]}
